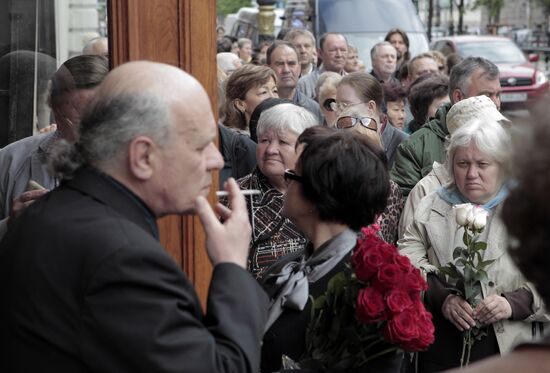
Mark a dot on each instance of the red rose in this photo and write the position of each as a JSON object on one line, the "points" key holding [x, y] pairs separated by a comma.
{"points": [[414, 282], [370, 306], [388, 277], [402, 328], [403, 262], [425, 333], [427, 329], [373, 253], [398, 301]]}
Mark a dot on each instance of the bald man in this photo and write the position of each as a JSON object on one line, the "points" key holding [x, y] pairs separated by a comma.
{"points": [[98, 46], [87, 287]]}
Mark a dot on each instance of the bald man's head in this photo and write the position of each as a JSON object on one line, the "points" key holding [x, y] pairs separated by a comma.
{"points": [[151, 127]]}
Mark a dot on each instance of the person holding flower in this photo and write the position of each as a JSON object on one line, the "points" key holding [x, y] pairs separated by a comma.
{"points": [[329, 199], [507, 304]]}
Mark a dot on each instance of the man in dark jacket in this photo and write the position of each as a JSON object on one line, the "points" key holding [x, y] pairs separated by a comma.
{"points": [[87, 287], [474, 76]]}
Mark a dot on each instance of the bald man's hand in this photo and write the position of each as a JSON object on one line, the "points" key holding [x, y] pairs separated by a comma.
{"points": [[228, 241]]}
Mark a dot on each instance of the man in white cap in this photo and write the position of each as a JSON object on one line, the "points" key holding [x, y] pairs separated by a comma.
{"points": [[477, 107]]}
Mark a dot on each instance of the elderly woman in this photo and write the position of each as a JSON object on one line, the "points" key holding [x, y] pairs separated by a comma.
{"points": [[274, 236], [244, 90], [364, 120], [362, 89], [326, 92], [477, 157], [329, 198]]}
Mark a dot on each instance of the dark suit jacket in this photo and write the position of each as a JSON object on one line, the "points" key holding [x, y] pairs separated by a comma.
{"points": [[87, 288]]}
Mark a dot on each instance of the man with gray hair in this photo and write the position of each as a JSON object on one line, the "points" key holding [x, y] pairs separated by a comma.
{"points": [[384, 62], [304, 42], [87, 287], [333, 50], [415, 156]]}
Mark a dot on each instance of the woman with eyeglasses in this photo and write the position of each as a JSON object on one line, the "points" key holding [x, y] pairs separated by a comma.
{"points": [[362, 90], [329, 199], [326, 88], [273, 236], [364, 119]]}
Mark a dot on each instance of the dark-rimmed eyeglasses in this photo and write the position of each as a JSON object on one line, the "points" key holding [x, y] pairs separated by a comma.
{"points": [[291, 175], [349, 121], [327, 105]]}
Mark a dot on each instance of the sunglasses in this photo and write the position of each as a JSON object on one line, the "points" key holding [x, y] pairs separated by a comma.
{"points": [[290, 175], [327, 105], [348, 122]]}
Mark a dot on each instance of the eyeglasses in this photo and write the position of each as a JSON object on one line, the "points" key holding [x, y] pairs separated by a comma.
{"points": [[327, 105], [291, 175], [342, 105], [348, 122]]}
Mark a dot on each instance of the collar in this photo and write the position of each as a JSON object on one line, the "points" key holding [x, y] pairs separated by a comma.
{"points": [[110, 192]]}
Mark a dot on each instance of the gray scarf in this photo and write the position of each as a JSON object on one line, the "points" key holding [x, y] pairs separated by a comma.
{"points": [[294, 277]]}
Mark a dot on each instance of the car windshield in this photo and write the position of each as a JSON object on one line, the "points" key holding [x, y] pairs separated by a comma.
{"points": [[497, 52]]}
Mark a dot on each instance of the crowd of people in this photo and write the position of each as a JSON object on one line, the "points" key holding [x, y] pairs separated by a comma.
{"points": [[325, 148]]}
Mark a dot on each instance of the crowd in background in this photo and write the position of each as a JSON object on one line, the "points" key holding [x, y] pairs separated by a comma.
{"points": [[444, 142]]}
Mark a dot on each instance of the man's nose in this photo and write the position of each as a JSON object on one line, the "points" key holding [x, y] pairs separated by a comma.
{"points": [[214, 158]]}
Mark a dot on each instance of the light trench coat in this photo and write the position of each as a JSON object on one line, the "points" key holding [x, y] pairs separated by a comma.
{"points": [[429, 242]]}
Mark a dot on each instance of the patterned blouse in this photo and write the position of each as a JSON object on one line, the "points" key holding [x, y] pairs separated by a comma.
{"points": [[389, 219], [272, 236]]}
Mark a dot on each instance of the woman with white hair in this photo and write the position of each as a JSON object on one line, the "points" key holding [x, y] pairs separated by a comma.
{"points": [[477, 157], [274, 236]]}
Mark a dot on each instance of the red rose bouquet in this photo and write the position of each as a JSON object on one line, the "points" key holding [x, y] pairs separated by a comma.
{"points": [[374, 311]]}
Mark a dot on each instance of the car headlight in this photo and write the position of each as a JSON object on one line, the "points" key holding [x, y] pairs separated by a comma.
{"points": [[541, 78]]}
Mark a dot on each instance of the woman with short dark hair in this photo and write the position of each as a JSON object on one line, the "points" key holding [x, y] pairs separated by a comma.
{"points": [[427, 94], [329, 199]]}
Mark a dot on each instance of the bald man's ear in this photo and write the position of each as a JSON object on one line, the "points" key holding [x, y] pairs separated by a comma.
{"points": [[142, 153]]}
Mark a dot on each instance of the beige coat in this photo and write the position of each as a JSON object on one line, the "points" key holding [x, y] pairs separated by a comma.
{"points": [[429, 242]]}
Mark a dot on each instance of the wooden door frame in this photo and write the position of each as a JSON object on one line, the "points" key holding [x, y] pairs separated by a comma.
{"points": [[181, 33]]}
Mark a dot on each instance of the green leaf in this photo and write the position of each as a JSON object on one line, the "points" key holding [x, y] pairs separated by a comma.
{"points": [[480, 246], [481, 276], [462, 261], [451, 272], [484, 264], [457, 252]]}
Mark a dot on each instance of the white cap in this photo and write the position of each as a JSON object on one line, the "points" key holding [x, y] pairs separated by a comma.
{"points": [[478, 107]]}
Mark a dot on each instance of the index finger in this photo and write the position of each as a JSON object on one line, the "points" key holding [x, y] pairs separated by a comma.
{"points": [[206, 214]]}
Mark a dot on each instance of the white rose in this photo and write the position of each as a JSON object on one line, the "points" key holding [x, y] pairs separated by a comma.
{"points": [[463, 214], [480, 218]]}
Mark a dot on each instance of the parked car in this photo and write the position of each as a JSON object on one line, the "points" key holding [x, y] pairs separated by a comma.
{"points": [[523, 85]]}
